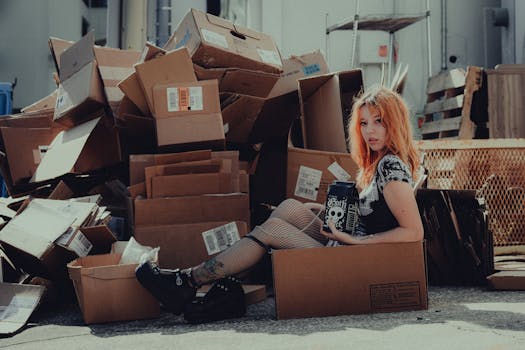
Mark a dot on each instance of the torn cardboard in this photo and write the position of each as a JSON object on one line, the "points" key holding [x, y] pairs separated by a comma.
{"points": [[17, 302]]}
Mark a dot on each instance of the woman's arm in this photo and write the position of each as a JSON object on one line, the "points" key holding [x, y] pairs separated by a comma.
{"points": [[400, 199]]}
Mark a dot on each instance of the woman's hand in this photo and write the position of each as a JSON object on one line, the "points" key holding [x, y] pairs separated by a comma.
{"points": [[337, 235]]}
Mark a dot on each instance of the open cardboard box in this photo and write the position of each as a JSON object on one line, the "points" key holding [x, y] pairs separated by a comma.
{"points": [[215, 42], [326, 103], [351, 279], [310, 172], [107, 291], [80, 93], [186, 245]]}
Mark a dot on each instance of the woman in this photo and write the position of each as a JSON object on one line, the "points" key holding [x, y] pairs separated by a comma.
{"points": [[382, 146]]}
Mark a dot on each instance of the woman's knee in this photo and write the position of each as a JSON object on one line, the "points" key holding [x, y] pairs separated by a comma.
{"points": [[286, 208]]}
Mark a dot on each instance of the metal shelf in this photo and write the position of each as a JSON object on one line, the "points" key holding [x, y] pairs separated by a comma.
{"points": [[389, 24]]}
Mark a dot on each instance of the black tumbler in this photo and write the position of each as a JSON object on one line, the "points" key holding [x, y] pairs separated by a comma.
{"points": [[342, 202]]}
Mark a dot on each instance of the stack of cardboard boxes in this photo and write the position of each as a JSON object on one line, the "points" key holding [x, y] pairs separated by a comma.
{"points": [[201, 132]]}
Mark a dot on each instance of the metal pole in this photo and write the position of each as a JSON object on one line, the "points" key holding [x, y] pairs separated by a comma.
{"points": [[429, 53], [356, 20]]}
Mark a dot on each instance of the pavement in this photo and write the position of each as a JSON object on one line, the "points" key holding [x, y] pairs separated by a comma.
{"points": [[460, 318]]}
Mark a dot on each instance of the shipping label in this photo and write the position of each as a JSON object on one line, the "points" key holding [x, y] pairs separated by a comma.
{"points": [[185, 99], [308, 181], [220, 238], [271, 57], [339, 173], [214, 38]]}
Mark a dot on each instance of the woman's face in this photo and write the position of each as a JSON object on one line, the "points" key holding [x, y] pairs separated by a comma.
{"points": [[372, 128]]}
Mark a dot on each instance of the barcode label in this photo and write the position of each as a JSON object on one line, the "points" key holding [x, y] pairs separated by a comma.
{"points": [[173, 99], [185, 99], [80, 244], [308, 181], [271, 57], [214, 38], [220, 238], [338, 172]]}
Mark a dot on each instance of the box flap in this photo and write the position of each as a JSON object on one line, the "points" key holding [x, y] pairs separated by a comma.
{"points": [[101, 237], [77, 56], [218, 21], [57, 46], [17, 302], [44, 103], [150, 52], [64, 151]]}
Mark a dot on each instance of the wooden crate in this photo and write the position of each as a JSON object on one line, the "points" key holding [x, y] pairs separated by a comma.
{"points": [[506, 86], [457, 105]]}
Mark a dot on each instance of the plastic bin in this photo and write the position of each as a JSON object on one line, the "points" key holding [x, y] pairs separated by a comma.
{"points": [[6, 92]]}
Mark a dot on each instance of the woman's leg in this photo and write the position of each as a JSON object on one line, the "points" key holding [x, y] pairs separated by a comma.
{"points": [[245, 253]]}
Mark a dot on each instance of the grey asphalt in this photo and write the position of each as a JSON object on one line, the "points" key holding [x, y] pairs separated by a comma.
{"points": [[457, 318]]}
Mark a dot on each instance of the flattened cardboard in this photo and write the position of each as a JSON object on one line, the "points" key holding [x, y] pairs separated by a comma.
{"points": [[326, 102], [57, 46], [17, 301], [173, 67], [83, 148], [108, 292], [215, 42], [181, 245], [352, 279], [319, 161], [44, 103], [507, 280], [191, 209], [297, 67]]}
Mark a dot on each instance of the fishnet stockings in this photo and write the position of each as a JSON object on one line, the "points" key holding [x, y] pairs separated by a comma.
{"points": [[291, 225]]}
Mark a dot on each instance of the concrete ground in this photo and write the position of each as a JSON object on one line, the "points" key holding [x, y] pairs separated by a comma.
{"points": [[460, 318]]}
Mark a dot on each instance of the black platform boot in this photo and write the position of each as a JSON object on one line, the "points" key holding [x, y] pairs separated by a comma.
{"points": [[171, 287], [224, 300]]}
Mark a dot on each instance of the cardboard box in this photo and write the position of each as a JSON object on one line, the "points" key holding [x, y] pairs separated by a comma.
{"points": [[173, 67], [326, 103], [139, 162], [352, 279], [108, 292], [507, 280], [47, 102], [115, 65], [130, 86], [309, 173], [188, 113], [80, 93], [241, 81], [215, 42], [190, 178], [250, 119], [25, 148], [88, 146], [186, 245], [297, 67], [191, 209]]}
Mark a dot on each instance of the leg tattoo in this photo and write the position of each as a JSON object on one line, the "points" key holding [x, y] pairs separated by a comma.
{"points": [[209, 271]]}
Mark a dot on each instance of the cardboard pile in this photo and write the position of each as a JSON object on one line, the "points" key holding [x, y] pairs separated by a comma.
{"points": [[186, 145]]}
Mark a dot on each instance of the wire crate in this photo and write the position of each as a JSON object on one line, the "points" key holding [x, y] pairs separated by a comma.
{"points": [[493, 167]]}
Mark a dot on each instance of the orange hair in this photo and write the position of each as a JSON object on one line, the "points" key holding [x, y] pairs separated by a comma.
{"points": [[399, 140]]}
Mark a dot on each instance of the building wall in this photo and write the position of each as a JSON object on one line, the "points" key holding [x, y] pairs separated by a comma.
{"points": [[299, 26]]}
